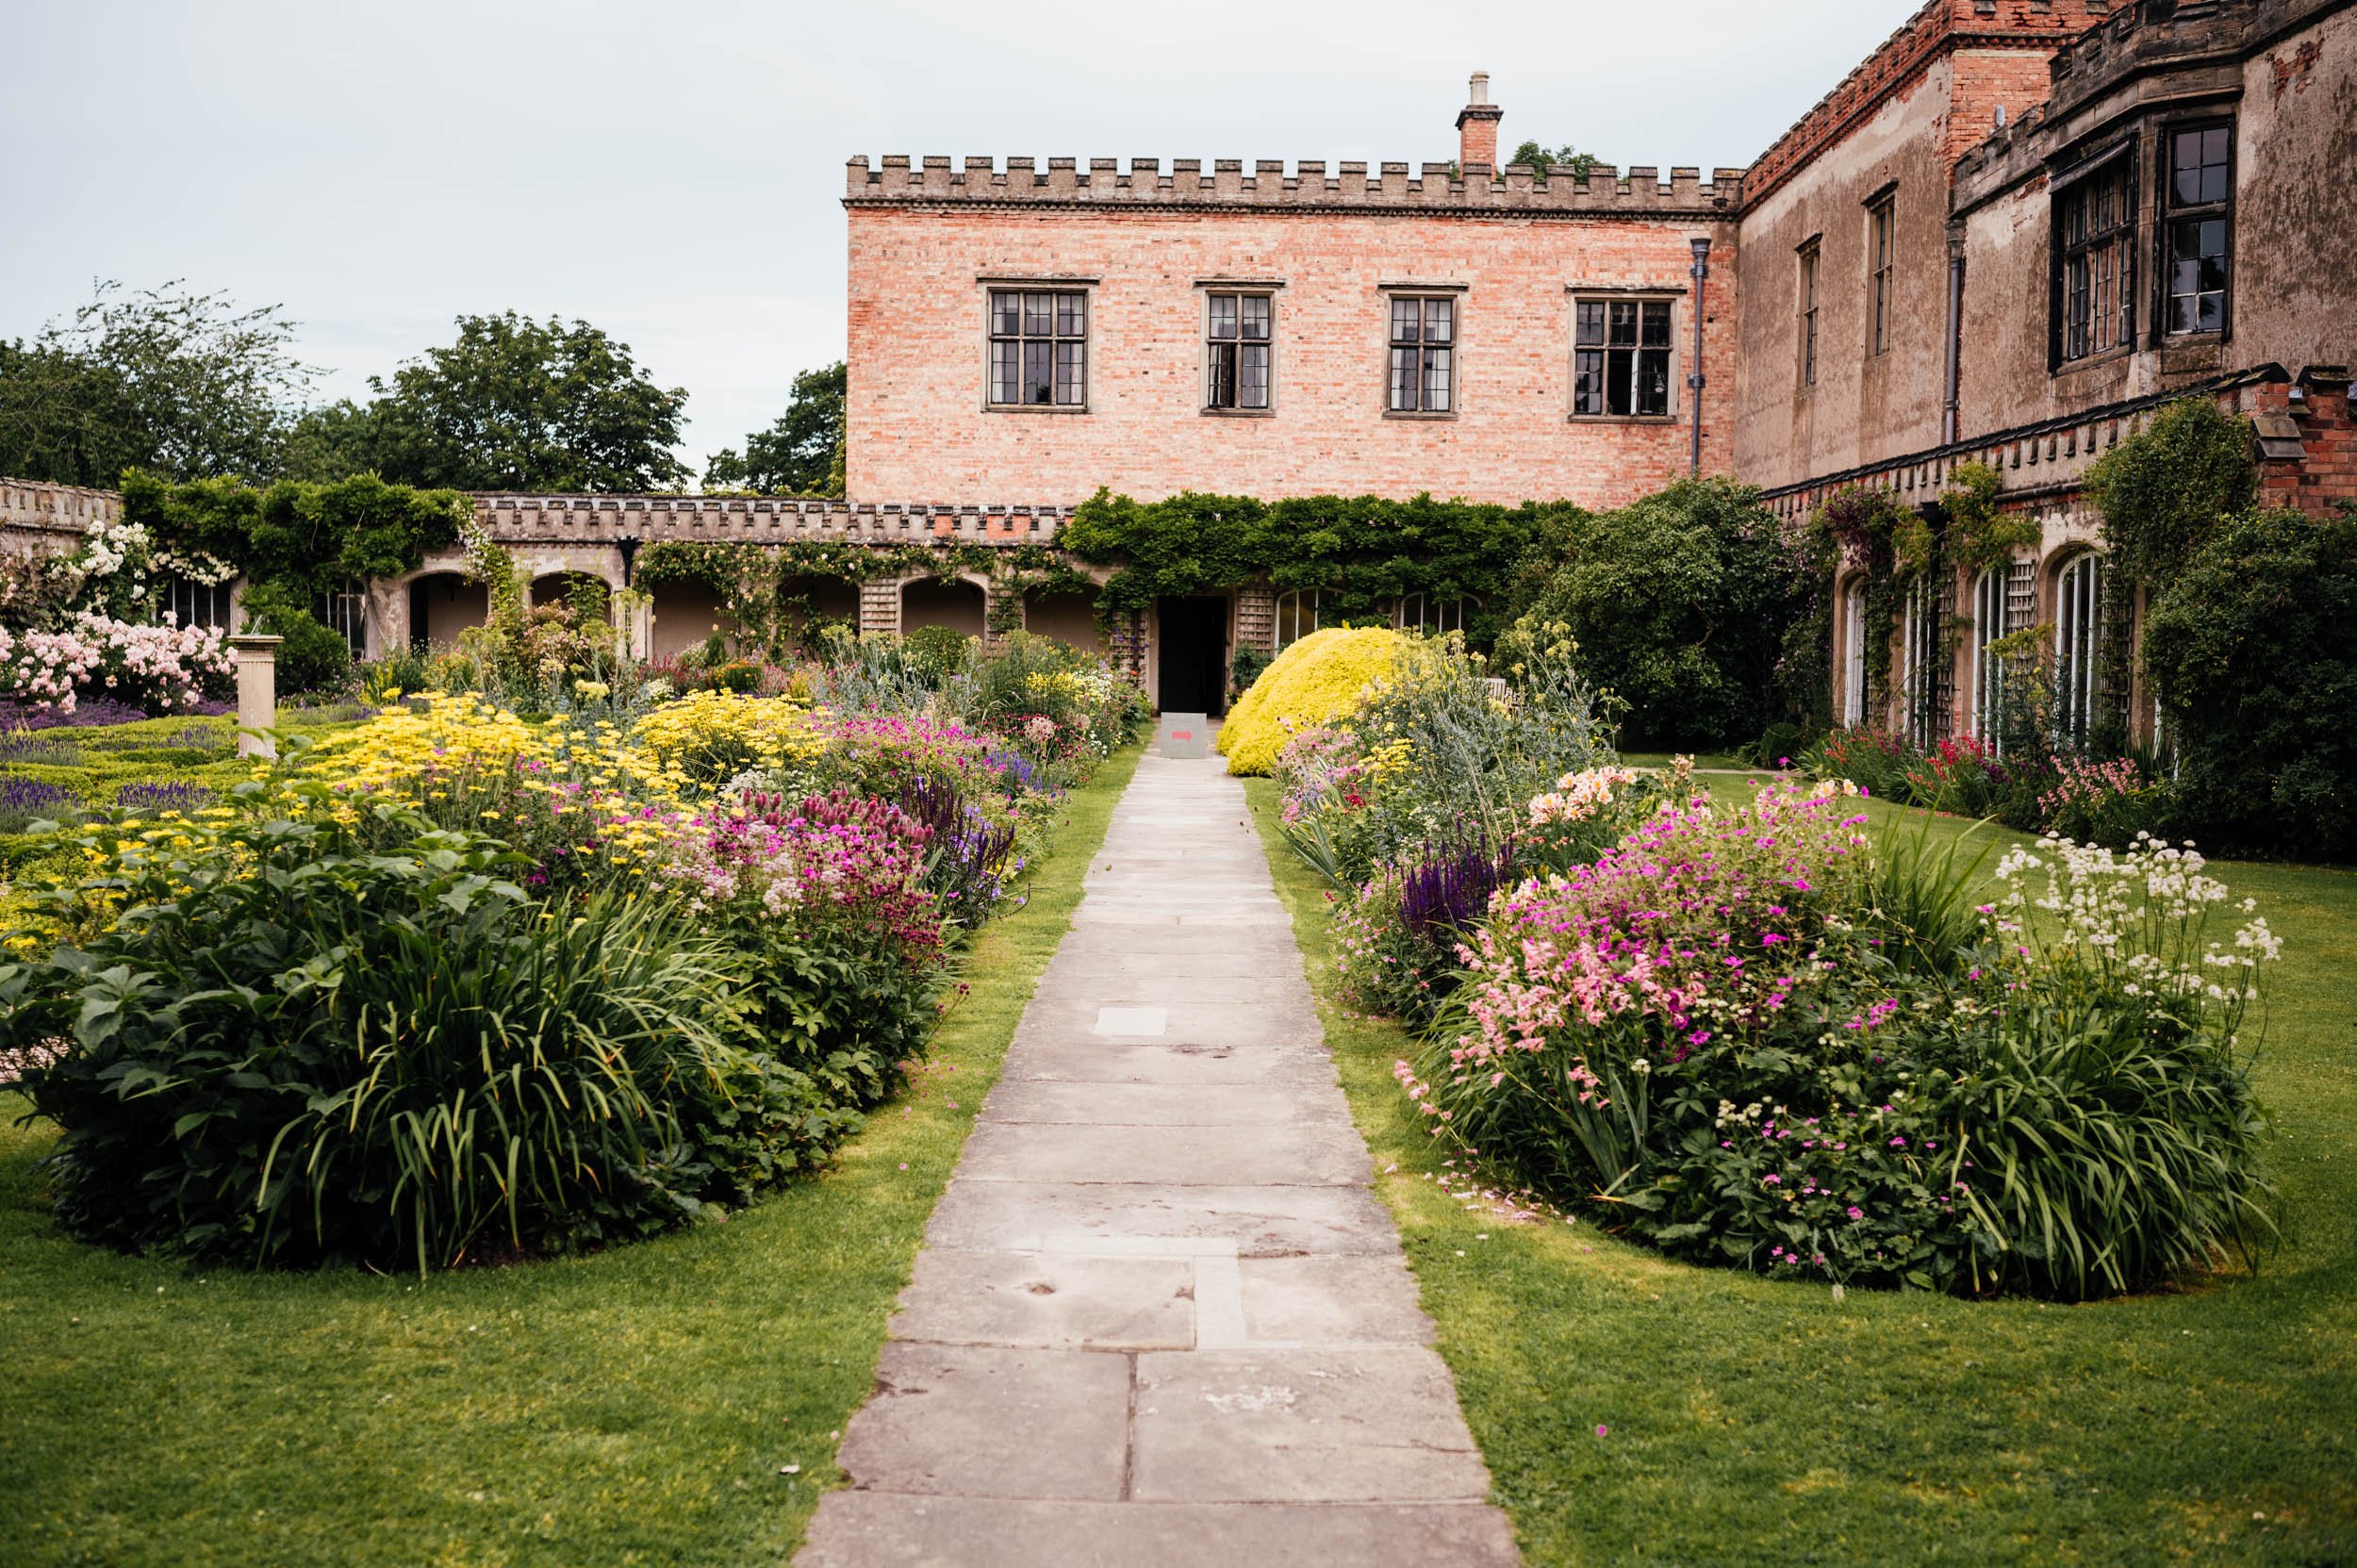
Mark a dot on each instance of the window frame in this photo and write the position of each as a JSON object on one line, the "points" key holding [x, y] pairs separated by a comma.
{"points": [[1454, 346], [1086, 290], [1810, 254], [213, 605], [2117, 164], [1210, 346], [2167, 216], [1882, 265], [2079, 606], [1668, 349], [1854, 681], [1291, 607]]}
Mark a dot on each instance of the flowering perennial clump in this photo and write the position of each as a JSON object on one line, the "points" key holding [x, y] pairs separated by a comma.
{"points": [[1749, 1037]]}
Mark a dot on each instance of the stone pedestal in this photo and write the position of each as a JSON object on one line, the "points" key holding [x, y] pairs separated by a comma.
{"points": [[258, 694]]}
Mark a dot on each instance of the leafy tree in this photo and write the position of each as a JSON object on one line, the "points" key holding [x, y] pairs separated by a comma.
{"points": [[1578, 165], [178, 383], [1681, 603], [802, 454], [512, 405], [2248, 645]]}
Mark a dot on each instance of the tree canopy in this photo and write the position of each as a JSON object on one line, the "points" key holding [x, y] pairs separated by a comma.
{"points": [[1578, 165], [180, 384], [513, 404], [802, 454]]}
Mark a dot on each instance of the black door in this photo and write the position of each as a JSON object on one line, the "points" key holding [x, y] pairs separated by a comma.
{"points": [[1194, 656]]}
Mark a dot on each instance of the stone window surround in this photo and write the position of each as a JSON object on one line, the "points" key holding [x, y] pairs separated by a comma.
{"points": [[1809, 259], [1059, 282], [2099, 162], [1639, 293], [1881, 212], [1205, 287], [1413, 288], [2166, 129]]}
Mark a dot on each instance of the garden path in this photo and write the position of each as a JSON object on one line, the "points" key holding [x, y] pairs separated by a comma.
{"points": [[1160, 1316]]}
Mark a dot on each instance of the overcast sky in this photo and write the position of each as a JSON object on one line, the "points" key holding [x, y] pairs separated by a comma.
{"points": [[672, 173]]}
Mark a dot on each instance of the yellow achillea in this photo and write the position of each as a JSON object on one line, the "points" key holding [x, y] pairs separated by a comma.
{"points": [[394, 751], [723, 730], [1317, 681]]}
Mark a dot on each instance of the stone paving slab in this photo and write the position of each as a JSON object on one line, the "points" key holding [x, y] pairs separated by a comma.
{"points": [[1016, 1101], [1263, 1221], [1192, 1155], [1160, 1316], [1376, 1425], [1052, 1300], [864, 1530], [942, 1417], [1173, 1063]]}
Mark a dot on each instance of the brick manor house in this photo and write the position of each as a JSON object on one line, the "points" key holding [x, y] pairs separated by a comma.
{"points": [[2008, 237]]}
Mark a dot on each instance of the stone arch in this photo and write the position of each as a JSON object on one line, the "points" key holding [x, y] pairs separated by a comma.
{"points": [[685, 615], [1067, 615], [957, 602], [552, 587], [442, 604]]}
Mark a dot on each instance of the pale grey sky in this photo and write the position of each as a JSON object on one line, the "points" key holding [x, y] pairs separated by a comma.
{"points": [[672, 175]]}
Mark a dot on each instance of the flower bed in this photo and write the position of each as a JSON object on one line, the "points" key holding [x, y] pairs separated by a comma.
{"points": [[1747, 1038], [452, 985]]}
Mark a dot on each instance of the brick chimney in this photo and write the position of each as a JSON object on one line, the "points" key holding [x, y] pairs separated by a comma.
{"points": [[1477, 128]]}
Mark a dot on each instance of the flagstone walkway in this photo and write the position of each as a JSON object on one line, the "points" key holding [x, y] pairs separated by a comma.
{"points": [[1160, 1318]]}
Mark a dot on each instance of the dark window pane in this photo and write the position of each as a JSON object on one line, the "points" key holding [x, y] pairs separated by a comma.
{"points": [[1253, 391], [1256, 315], [1588, 382], [1404, 319], [1006, 314], [2186, 161], [1623, 323], [2211, 313], [1223, 314], [1223, 388], [1591, 321], [1039, 314], [1404, 370], [1436, 380], [1071, 374], [1653, 381], [1038, 383], [1619, 370], [1072, 318], [2214, 240], [1440, 320], [1006, 377], [1656, 325]]}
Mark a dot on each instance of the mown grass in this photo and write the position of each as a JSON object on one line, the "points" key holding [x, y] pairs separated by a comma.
{"points": [[634, 1407], [1746, 1420]]}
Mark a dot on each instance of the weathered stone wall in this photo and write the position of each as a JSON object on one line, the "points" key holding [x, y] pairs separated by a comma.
{"points": [[2287, 72], [925, 245]]}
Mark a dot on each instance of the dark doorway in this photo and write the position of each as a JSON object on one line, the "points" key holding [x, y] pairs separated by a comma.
{"points": [[1194, 656]]}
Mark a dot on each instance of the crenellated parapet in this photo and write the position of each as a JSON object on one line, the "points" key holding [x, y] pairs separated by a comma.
{"points": [[756, 519], [1230, 185], [35, 516]]}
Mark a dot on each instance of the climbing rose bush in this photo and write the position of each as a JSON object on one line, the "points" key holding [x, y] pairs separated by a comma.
{"points": [[1746, 1037]]}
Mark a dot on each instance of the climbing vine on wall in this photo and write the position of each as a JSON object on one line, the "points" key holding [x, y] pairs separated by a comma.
{"points": [[299, 540], [770, 590], [1892, 547], [1362, 554], [2162, 493]]}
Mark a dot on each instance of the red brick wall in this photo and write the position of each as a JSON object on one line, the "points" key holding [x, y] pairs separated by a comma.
{"points": [[919, 432]]}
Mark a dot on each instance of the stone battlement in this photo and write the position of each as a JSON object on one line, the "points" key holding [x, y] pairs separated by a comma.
{"points": [[756, 519], [1228, 185], [30, 508]]}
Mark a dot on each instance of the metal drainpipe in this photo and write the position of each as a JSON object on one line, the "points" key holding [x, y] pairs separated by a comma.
{"points": [[1949, 409], [1694, 377]]}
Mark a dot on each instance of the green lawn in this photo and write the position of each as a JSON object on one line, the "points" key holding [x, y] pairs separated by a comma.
{"points": [[1750, 1422], [637, 1407]]}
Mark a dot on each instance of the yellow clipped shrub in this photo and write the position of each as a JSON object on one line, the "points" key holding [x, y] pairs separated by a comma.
{"points": [[1317, 681]]}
